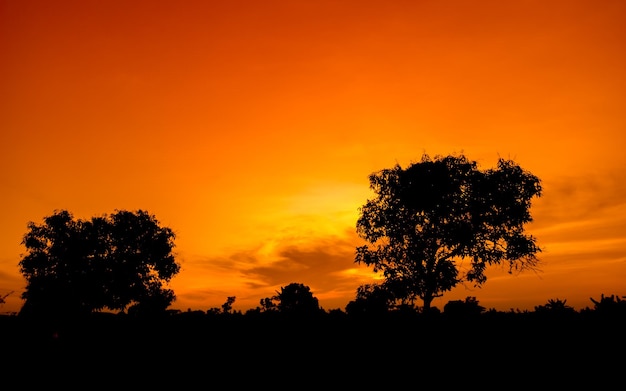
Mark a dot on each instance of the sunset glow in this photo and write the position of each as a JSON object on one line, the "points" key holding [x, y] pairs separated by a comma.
{"points": [[250, 128]]}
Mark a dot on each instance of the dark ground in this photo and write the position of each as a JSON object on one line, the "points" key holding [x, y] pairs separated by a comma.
{"points": [[389, 354]]}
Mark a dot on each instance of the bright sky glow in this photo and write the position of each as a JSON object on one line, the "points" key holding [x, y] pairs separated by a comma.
{"points": [[250, 128]]}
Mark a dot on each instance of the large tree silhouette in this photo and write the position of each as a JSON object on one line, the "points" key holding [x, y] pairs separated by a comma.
{"points": [[434, 216], [117, 262]]}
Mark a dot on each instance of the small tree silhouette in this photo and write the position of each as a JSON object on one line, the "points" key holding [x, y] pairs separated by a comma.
{"points": [[227, 307], [296, 299]]}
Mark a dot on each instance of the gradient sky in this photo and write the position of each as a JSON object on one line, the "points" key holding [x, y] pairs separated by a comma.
{"points": [[250, 129]]}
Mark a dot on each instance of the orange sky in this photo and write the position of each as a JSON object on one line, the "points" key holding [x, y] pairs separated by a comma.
{"points": [[250, 128]]}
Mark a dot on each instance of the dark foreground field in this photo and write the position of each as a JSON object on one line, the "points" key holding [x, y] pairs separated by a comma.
{"points": [[486, 352]]}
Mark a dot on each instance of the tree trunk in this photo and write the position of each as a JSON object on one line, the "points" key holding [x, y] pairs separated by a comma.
{"points": [[428, 299]]}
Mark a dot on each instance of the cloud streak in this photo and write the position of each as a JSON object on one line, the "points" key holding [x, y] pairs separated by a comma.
{"points": [[326, 265]]}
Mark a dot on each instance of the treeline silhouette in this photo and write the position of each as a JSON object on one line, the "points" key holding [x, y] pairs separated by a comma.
{"points": [[295, 306], [288, 345]]}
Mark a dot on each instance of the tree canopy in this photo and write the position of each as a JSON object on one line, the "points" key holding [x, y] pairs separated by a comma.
{"points": [[428, 218], [118, 262], [293, 299]]}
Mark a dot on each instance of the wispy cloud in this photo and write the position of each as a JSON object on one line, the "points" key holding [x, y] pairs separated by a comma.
{"points": [[326, 265]]}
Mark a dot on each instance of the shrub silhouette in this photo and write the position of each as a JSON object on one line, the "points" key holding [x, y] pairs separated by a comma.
{"points": [[463, 308]]}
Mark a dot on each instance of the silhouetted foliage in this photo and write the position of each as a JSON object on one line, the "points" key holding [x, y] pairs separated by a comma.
{"points": [[609, 305], [555, 307], [268, 305], [294, 299], [428, 217], [115, 262], [371, 299], [227, 307], [463, 308]]}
